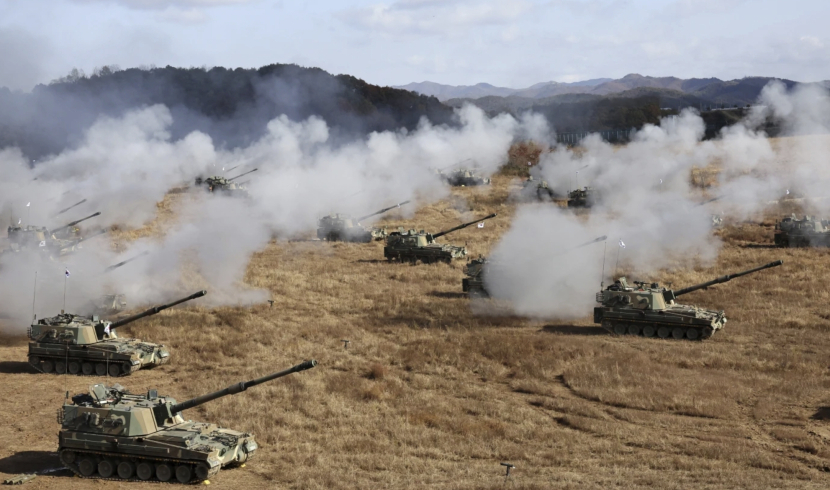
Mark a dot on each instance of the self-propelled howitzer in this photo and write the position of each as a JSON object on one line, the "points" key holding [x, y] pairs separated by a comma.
{"points": [[85, 345], [411, 246], [342, 227], [110, 433], [649, 310]]}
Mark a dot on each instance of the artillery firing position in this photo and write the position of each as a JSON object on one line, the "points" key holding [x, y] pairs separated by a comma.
{"points": [[110, 433], [649, 310], [341, 227], [411, 246], [84, 345]]}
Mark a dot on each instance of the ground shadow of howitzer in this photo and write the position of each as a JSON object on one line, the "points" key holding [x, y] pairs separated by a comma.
{"points": [[371, 261], [39, 462], [573, 330], [758, 245], [16, 367], [823, 413], [447, 294]]}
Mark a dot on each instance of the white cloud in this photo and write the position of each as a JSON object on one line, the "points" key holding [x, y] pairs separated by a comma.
{"points": [[430, 16], [167, 4]]}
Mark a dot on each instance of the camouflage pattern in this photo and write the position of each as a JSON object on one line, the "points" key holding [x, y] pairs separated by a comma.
{"points": [[107, 305], [807, 232], [463, 177], [537, 189], [85, 345], [586, 197], [62, 241], [412, 246], [473, 284], [217, 183], [650, 310], [112, 434], [342, 227]]}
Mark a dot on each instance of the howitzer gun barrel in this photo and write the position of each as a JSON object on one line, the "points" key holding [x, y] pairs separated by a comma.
{"points": [[239, 387], [595, 240], [442, 233], [124, 262], [709, 200], [726, 278], [382, 211], [70, 207], [73, 223], [240, 175], [155, 309]]}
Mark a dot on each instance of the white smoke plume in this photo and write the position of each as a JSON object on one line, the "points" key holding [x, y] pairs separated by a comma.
{"points": [[125, 166], [649, 204]]}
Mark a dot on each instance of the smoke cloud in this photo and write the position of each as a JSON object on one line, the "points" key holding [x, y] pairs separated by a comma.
{"points": [[125, 167], [649, 204]]}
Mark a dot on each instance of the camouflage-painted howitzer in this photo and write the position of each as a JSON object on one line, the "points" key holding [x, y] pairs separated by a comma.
{"points": [[341, 227], [112, 434], [412, 246], [649, 310], [85, 345]]}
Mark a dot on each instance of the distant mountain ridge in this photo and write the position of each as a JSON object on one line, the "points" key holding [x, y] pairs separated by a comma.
{"points": [[710, 90]]}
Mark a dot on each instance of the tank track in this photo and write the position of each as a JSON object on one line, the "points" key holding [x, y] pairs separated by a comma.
{"points": [[136, 460], [36, 363], [652, 329], [414, 258]]}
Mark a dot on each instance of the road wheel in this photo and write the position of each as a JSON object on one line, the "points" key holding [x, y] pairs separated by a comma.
{"points": [[144, 471], [74, 367], [164, 472], [87, 368], [620, 329], [678, 333], [86, 467], [106, 468], [183, 473], [692, 334], [47, 366], [68, 457], [649, 331], [663, 332], [202, 471], [114, 369], [634, 329], [126, 470], [60, 367], [101, 369]]}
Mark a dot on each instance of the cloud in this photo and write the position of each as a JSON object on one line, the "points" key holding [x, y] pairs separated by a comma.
{"points": [[432, 17], [24, 55], [165, 4]]}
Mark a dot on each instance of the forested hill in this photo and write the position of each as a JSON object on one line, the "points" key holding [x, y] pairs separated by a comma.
{"points": [[232, 106]]}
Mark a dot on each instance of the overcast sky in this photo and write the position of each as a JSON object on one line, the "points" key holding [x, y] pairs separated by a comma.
{"points": [[513, 43]]}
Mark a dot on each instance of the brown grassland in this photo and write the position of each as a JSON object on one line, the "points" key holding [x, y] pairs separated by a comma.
{"points": [[429, 394]]}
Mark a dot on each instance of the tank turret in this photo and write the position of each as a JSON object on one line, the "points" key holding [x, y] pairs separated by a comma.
{"points": [[85, 345], [649, 309], [806, 232], [412, 246], [113, 434], [341, 227]]}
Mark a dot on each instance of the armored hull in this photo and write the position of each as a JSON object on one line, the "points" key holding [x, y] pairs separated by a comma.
{"points": [[676, 321], [651, 311], [76, 344], [112, 434], [464, 177], [583, 198], [432, 252], [473, 284], [807, 232], [187, 452], [116, 357]]}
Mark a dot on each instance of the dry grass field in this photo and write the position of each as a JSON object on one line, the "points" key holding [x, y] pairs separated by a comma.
{"points": [[429, 394]]}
